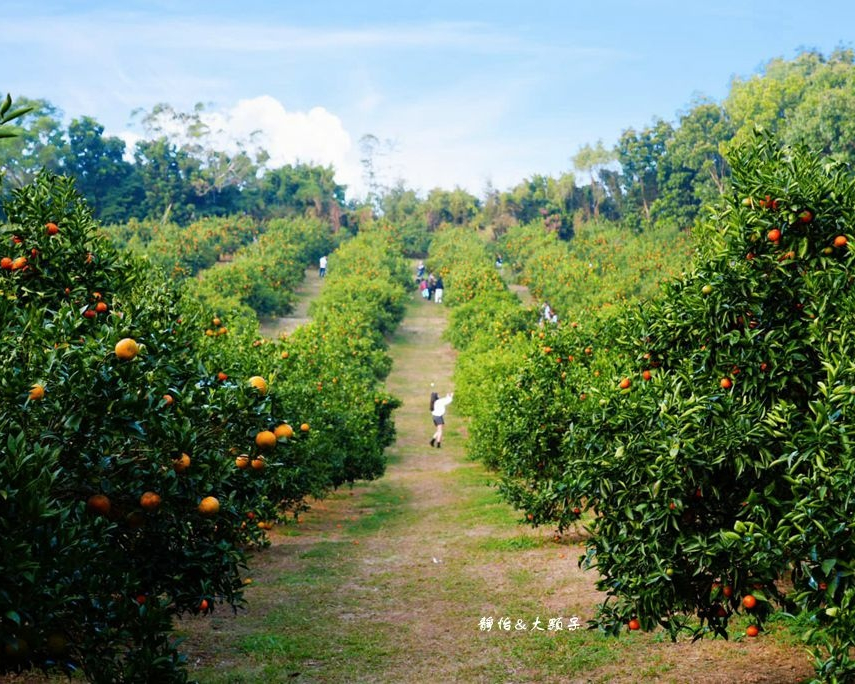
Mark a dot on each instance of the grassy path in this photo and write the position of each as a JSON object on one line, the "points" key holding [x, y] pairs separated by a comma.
{"points": [[305, 293], [388, 582]]}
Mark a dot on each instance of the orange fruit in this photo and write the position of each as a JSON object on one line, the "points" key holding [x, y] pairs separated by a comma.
{"points": [[265, 440], [217, 322], [52, 228], [749, 601], [222, 377], [259, 383], [305, 427], [168, 400], [625, 383], [727, 590], [6, 265], [242, 461], [840, 241], [19, 263], [634, 624], [127, 349], [98, 504], [209, 506], [203, 605], [774, 235], [752, 630], [284, 430], [726, 383], [150, 501], [37, 393], [284, 355], [181, 464], [646, 375], [101, 307], [258, 463]]}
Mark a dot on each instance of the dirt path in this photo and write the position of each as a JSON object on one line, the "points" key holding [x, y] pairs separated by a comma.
{"points": [[389, 582], [305, 293]]}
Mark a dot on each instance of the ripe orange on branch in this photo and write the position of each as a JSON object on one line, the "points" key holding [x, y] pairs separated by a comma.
{"points": [[265, 439], [284, 430], [150, 501], [209, 506], [98, 504], [127, 349], [181, 463], [259, 383]]}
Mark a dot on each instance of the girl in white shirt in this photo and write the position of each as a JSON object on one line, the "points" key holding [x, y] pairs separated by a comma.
{"points": [[437, 411]]}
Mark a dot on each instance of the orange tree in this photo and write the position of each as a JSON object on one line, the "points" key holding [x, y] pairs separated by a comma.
{"points": [[602, 266], [714, 448], [708, 431], [325, 377], [459, 256], [489, 327], [110, 444], [140, 450], [735, 458], [184, 251]]}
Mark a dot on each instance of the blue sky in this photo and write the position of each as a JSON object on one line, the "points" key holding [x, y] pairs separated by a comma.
{"points": [[460, 93]]}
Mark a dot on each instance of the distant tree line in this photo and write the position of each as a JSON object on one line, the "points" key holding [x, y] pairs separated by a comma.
{"points": [[660, 173]]}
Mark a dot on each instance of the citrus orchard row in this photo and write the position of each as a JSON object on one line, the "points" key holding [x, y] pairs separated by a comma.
{"points": [[184, 251], [125, 434], [705, 435]]}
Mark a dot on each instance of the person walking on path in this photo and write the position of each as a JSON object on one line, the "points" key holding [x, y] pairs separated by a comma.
{"points": [[438, 290], [437, 411], [431, 281], [322, 271]]}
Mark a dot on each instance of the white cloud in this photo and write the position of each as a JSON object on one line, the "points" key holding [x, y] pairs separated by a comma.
{"points": [[131, 139], [316, 136]]}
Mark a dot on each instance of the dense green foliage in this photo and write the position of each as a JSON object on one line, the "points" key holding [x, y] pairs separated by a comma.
{"points": [[706, 430], [108, 450]]}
